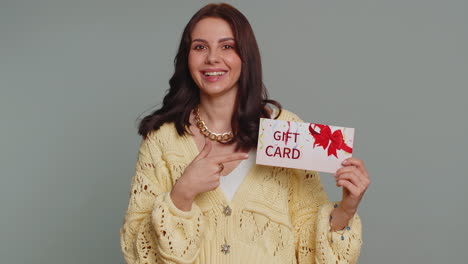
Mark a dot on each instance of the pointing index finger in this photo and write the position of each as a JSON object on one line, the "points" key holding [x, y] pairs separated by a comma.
{"points": [[230, 157]]}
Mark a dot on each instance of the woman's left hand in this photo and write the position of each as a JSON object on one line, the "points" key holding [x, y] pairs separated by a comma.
{"points": [[354, 179]]}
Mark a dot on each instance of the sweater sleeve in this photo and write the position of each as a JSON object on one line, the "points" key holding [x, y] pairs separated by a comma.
{"points": [[310, 211], [154, 229]]}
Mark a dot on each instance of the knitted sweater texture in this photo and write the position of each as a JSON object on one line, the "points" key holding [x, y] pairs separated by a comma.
{"points": [[278, 215]]}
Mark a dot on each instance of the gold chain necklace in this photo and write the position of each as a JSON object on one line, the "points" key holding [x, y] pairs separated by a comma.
{"points": [[221, 138]]}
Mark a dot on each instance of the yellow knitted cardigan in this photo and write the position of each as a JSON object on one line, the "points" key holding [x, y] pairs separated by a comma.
{"points": [[278, 215]]}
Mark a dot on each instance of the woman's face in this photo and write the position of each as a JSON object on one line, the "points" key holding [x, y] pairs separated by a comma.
{"points": [[213, 61]]}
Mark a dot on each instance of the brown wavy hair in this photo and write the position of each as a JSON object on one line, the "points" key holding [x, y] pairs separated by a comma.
{"points": [[184, 95]]}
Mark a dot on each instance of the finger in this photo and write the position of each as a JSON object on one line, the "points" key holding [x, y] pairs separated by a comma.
{"points": [[211, 169], [353, 178], [215, 182], [221, 168], [230, 157], [205, 151], [356, 162], [346, 169], [350, 187], [364, 179]]}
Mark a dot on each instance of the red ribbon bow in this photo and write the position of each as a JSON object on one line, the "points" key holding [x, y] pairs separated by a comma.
{"points": [[334, 141]]}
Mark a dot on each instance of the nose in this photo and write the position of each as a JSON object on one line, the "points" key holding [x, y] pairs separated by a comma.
{"points": [[212, 56]]}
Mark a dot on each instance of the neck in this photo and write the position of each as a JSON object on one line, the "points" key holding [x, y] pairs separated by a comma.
{"points": [[217, 113]]}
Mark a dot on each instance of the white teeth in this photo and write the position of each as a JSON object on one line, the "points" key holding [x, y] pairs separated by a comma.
{"points": [[214, 73]]}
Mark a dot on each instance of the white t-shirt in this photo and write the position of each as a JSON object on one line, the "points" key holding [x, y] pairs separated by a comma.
{"points": [[231, 182]]}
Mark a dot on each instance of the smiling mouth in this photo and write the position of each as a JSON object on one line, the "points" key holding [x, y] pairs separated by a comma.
{"points": [[219, 73]]}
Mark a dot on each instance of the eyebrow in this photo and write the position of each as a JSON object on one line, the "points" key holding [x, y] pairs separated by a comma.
{"points": [[219, 41]]}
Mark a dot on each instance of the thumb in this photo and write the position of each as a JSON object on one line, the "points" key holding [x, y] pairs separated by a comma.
{"points": [[206, 150]]}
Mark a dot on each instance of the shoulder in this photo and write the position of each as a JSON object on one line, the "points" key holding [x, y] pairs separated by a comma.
{"points": [[164, 137], [165, 132]]}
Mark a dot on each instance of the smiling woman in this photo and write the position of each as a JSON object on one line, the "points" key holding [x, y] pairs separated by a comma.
{"points": [[217, 38], [213, 61], [197, 195]]}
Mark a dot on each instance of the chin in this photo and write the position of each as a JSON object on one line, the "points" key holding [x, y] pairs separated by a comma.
{"points": [[216, 90]]}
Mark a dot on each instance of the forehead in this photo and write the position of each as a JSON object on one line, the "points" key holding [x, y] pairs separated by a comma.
{"points": [[212, 28]]}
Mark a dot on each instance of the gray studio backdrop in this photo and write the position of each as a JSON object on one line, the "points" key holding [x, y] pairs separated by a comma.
{"points": [[75, 75]]}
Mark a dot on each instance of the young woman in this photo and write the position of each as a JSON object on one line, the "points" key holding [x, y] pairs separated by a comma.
{"points": [[197, 195]]}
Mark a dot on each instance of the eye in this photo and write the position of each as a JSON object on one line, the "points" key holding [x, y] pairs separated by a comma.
{"points": [[199, 47], [228, 46]]}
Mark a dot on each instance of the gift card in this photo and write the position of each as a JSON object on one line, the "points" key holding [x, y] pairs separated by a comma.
{"points": [[300, 145]]}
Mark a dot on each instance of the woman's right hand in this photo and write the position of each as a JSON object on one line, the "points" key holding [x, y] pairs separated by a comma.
{"points": [[201, 175]]}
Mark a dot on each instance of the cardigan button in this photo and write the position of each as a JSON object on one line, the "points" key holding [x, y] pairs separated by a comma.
{"points": [[225, 248], [227, 211]]}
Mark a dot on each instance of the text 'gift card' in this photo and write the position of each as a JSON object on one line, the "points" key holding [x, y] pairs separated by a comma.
{"points": [[303, 145]]}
